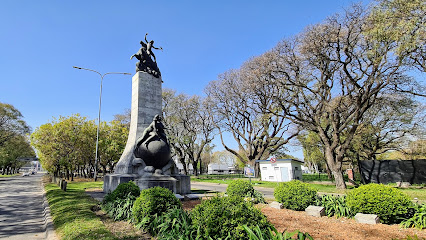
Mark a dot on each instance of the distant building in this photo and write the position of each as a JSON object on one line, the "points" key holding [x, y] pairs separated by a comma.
{"points": [[215, 168], [282, 170], [180, 168]]}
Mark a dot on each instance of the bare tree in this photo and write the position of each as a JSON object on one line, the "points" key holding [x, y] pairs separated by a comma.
{"points": [[246, 109], [189, 127], [328, 77]]}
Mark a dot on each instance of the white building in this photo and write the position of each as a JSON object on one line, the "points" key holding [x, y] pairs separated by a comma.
{"points": [[282, 170], [214, 168], [179, 165]]}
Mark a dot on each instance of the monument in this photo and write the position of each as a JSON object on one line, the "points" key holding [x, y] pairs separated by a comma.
{"points": [[146, 159]]}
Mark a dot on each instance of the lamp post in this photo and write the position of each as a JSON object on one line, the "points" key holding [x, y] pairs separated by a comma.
{"points": [[99, 115]]}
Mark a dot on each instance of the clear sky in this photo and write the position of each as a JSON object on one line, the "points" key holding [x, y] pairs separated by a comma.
{"points": [[41, 40]]}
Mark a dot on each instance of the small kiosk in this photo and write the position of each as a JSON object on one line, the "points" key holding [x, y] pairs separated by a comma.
{"points": [[280, 170]]}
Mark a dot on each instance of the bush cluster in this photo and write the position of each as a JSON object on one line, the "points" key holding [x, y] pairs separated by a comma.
{"points": [[418, 220], [224, 217], [334, 206], [153, 202], [390, 204], [244, 189], [118, 204], [295, 195], [122, 191]]}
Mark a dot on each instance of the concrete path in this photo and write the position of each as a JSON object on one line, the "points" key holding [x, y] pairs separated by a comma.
{"points": [[24, 213]]}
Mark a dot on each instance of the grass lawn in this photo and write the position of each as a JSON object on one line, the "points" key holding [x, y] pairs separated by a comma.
{"points": [[420, 194], [11, 175], [72, 212]]}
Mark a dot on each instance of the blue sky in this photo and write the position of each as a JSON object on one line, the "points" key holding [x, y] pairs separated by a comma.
{"points": [[41, 40]]}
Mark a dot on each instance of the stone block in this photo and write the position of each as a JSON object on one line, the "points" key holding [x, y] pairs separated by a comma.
{"points": [[367, 218], [180, 197], [315, 211], [157, 181], [64, 185], [192, 196], [183, 184], [276, 205], [111, 181]]}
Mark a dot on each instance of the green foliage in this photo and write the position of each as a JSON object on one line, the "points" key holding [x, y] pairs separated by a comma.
{"points": [[255, 197], [153, 202], [334, 206], [223, 217], [120, 208], [239, 188], [173, 224], [390, 204], [295, 195], [257, 234], [418, 220], [122, 191]]}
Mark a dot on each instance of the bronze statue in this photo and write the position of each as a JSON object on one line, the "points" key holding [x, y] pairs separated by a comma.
{"points": [[152, 147], [147, 60]]}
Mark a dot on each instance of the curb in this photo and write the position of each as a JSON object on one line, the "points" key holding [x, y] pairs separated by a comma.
{"points": [[49, 229]]}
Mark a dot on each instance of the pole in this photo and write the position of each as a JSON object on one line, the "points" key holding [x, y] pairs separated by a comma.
{"points": [[99, 113]]}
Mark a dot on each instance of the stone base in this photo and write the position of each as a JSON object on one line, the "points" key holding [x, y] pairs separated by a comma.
{"points": [[367, 218], [111, 181], [315, 211], [157, 181], [183, 184]]}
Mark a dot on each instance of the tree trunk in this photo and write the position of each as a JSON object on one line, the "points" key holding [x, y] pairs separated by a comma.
{"points": [[334, 162]]}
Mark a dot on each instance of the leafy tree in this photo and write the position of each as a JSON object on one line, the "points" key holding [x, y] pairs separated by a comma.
{"points": [[15, 148], [11, 123], [402, 22], [112, 141]]}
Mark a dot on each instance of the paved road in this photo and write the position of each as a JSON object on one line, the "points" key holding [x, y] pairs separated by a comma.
{"points": [[22, 213], [268, 192]]}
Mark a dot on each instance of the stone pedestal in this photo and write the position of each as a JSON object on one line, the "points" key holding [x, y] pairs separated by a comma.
{"points": [[146, 103], [163, 181], [183, 184]]}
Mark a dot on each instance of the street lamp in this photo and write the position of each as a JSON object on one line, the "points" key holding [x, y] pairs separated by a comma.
{"points": [[99, 116]]}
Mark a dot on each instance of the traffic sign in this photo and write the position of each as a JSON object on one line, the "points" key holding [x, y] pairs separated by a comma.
{"points": [[273, 160]]}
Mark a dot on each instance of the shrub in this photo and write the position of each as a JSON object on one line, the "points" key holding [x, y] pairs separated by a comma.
{"points": [[239, 188], [120, 209], [153, 202], [224, 217], [334, 206], [295, 195], [418, 220], [175, 223], [245, 190], [122, 191], [388, 203], [257, 234]]}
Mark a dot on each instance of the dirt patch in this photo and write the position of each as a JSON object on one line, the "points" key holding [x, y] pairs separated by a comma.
{"points": [[335, 228], [122, 229], [326, 228]]}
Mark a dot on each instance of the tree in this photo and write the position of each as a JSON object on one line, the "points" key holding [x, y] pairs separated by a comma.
{"points": [[313, 152], [189, 127], [223, 157], [329, 76], [64, 145], [11, 123], [404, 23], [386, 126], [15, 148], [246, 109], [112, 141]]}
